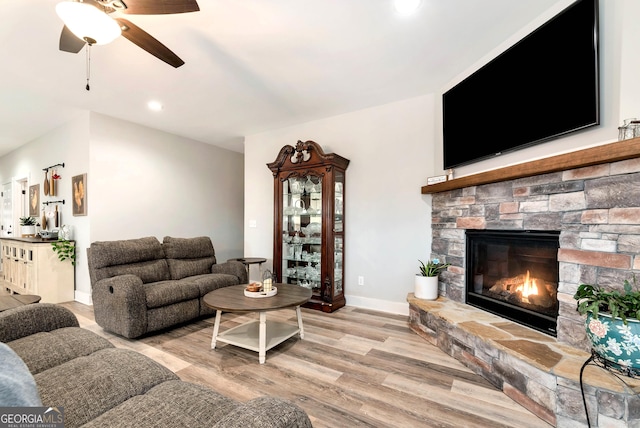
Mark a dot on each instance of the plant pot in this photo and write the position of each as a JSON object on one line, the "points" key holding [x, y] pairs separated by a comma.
{"points": [[426, 287], [617, 343], [28, 231]]}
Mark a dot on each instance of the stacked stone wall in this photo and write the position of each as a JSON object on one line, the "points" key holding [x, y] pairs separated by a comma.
{"points": [[596, 209]]}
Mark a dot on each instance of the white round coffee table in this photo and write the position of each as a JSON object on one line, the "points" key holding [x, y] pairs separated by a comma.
{"points": [[257, 335]]}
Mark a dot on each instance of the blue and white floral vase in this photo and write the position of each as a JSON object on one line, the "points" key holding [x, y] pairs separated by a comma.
{"points": [[614, 341]]}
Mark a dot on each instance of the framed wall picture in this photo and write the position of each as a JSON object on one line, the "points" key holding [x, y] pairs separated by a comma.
{"points": [[34, 200], [79, 192]]}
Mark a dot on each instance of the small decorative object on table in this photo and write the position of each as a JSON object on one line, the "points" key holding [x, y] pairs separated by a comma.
{"points": [[267, 281], [254, 287], [426, 282], [256, 290]]}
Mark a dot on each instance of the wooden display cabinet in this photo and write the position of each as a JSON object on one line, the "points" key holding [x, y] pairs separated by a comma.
{"points": [[308, 241]]}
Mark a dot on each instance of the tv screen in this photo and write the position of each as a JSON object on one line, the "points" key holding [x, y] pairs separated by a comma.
{"points": [[543, 87]]}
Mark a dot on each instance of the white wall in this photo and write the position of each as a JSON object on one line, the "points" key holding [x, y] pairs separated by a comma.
{"points": [[394, 148], [619, 88], [140, 182], [67, 144], [146, 182], [386, 217]]}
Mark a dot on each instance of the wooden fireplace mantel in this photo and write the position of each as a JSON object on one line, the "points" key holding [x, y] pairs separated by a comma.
{"points": [[612, 152]]}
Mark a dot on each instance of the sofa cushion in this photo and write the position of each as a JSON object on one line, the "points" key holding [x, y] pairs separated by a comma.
{"points": [[265, 412], [188, 256], [171, 315], [150, 271], [44, 350], [166, 293], [143, 257], [211, 281], [89, 386], [170, 404]]}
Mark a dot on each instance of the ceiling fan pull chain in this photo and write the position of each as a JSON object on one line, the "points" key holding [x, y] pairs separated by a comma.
{"points": [[88, 65]]}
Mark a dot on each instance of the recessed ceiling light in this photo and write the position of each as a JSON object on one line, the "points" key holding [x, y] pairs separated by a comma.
{"points": [[154, 105], [406, 7]]}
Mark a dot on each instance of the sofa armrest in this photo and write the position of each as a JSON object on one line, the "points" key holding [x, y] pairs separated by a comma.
{"points": [[270, 412], [120, 305], [232, 268], [30, 319]]}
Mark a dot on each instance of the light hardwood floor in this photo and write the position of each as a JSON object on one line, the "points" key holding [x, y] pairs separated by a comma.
{"points": [[354, 368]]}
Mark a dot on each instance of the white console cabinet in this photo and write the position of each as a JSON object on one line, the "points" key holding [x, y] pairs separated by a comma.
{"points": [[30, 266]]}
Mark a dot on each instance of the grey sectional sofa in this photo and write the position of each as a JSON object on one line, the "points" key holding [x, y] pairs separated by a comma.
{"points": [[142, 285], [99, 385]]}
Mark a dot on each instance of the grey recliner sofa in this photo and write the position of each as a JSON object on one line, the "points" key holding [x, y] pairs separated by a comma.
{"points": [[99, 385], [142, 285]]}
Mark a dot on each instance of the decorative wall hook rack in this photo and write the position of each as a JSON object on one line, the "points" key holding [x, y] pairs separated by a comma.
{"points": [[53, 166], [54, 202]]}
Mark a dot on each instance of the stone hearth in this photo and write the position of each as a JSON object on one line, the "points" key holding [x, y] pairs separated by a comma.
{"points": [[530, 367], [597, 211]]}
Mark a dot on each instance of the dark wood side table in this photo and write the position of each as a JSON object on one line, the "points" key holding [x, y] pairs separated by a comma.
{"points": [[248, 261], [15, 300]]}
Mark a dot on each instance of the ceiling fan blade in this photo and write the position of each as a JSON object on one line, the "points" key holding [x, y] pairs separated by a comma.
{"points": [[69, 42], [160, 7], [147, 42]]}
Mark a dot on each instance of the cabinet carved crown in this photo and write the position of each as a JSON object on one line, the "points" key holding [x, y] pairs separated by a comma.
{"points": [[308, 152]]}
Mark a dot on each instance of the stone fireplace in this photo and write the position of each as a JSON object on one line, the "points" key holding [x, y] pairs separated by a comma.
{"points": [[591, 199], [596, 209]]}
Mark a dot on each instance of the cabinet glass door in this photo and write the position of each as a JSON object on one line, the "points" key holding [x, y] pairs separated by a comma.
{"points": [[302, 231], [338, 233]]}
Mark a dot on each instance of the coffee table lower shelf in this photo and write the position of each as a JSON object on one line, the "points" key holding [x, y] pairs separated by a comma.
{"points": [[258, 335]]}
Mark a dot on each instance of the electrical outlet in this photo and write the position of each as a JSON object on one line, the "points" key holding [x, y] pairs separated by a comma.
{"points": [[361, 280]]}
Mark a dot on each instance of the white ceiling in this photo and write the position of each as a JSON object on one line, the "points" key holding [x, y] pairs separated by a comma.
{"points": [[250, 65]]}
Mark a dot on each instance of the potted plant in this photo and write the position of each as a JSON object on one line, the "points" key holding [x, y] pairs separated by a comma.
{"points": [[27, 226], [612, 323], [426, 283], [64, 249]]}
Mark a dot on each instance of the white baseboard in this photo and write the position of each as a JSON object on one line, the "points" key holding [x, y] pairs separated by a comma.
{"points": [[82, 297], [400, 308]]}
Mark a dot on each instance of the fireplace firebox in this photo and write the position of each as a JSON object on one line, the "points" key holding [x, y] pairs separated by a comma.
{"points": [[514, 274]]}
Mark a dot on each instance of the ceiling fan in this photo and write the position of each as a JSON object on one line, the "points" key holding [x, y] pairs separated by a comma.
{"points": [[79, 30]]}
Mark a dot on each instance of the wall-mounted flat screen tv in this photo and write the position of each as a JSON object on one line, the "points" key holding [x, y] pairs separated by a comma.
{"points": [[543, 87]]}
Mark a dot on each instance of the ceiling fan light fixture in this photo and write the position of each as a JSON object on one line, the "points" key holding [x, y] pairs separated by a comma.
{"points": [[88, 23]]}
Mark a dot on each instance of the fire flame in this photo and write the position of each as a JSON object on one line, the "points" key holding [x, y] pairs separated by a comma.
{"points": [[528, 288]]}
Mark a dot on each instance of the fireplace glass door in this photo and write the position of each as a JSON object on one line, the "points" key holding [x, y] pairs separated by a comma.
{"points": [[514, 274]]}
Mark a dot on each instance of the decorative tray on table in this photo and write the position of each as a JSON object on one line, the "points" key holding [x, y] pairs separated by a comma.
{"points": [[260, 293]]}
